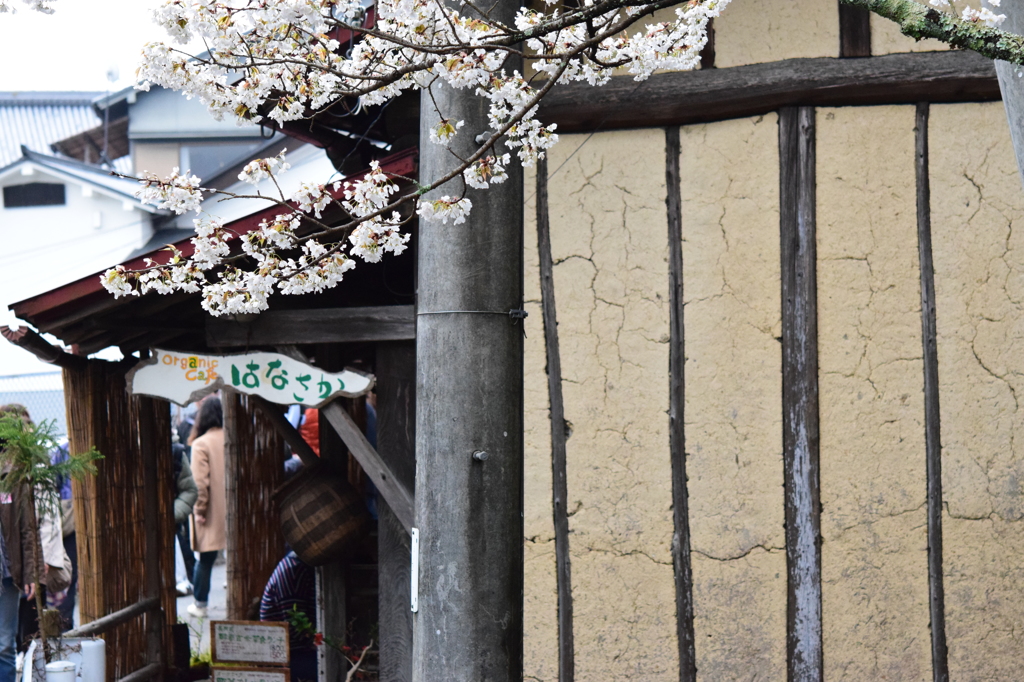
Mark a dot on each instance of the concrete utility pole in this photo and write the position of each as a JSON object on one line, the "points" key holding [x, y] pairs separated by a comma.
{"points": [[469, 414], [1010, 85]]}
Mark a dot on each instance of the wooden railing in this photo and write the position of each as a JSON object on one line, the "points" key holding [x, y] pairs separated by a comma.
{"points": [[109, 622]]}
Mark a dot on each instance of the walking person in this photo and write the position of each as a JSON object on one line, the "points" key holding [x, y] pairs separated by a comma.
{"points": [[209, 533]]}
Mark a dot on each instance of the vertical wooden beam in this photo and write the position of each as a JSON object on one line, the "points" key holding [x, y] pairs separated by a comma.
{"points": [[231, 404], [932, 424], [707, 54], [559, 486], [82, 399], [150, 461], [331, 578], [854, 31], [396, 443], [677, 398], [800, 440]]}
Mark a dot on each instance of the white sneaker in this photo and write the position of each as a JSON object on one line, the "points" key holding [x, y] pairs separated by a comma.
{"points": [[196, 611], [184, 588]]}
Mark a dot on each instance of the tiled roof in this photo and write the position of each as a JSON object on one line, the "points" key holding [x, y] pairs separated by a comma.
{"points": [[38, 119]]}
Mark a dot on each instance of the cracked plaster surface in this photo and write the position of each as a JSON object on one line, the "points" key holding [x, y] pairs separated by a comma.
{"points": [[874, 560], [757, 31], [979, 262], [609, 245], [743, 639], [733, 396]]}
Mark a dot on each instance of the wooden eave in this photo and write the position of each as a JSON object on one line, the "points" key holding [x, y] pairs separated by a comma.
{"points": [[84, 315]]}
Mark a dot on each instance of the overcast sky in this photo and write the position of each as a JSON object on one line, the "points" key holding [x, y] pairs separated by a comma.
{"points": [[74, 48]]}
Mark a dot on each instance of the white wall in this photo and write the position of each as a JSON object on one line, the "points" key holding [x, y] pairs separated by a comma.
{"points": [[44, 247]]}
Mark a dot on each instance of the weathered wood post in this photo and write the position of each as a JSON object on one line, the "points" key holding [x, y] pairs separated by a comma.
{"points": [[469, 419]]}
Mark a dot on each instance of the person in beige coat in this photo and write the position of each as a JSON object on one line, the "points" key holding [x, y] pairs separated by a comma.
{"points": [[209, 515]]}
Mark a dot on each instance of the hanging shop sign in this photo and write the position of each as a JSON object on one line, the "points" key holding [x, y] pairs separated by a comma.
{"points": [[184, 378], [248, 641]]}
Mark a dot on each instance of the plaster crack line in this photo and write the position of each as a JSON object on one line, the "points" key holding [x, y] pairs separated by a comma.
{"points": [[767, 548]]}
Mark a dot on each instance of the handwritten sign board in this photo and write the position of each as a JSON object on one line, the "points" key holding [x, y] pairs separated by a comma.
{"points": [[240, 674], [249, 641], [186, 377]]}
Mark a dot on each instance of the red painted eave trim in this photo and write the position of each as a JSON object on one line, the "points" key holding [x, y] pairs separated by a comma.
{"points": [[400, 163]]}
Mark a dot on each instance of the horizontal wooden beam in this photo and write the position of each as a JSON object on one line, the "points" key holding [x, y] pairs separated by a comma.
{"points": [[107, 623], [317, 325], [142, 674], [41, 348], [717, 94]]}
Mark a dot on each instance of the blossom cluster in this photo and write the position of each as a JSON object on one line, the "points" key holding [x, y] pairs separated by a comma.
{"points": [[982, 15], [282, 60], [279, 258]]}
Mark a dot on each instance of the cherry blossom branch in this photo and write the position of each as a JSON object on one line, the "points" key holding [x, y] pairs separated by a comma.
{"points": [[974, 29]]}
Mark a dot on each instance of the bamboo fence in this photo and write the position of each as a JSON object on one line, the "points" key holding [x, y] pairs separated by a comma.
{"points": [[109, 507], [256, 469]]}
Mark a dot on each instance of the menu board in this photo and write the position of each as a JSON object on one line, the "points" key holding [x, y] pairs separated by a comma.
{"points": [[248, 641], [240, 674]]}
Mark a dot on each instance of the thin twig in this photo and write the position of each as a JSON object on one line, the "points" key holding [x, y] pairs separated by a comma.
{"points": [[355, 667]]}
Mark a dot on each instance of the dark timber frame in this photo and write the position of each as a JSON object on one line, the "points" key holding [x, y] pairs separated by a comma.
{"points": [[854, 31], [800, 436], [718, 94], [559, 486], [677, 431], [932, 424]]}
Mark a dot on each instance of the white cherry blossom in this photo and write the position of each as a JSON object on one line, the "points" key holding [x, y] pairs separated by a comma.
{"points": [[280, 59]]}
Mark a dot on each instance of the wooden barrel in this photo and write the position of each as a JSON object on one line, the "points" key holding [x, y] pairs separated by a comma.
{"points": [[321, 514]]}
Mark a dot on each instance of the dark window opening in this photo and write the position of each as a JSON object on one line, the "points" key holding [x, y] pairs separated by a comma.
{"points": [[34, 194]]}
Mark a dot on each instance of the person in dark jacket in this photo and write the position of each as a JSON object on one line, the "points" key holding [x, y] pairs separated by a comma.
{"points": [[17, 567], [185, 494]]}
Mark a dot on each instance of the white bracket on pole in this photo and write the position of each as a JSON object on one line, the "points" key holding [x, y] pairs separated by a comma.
{"points": [[414, 572]]}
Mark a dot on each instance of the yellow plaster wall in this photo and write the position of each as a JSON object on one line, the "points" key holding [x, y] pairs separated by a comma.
{"points": [[756, 31], [977, 202], [887, 39], [874, 561], [540, 593], [609, 246], [609, 243], [733, 396]]}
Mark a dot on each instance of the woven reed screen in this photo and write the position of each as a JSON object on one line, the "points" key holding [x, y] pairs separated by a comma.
{"points": [[109, 518], [255, 470]]}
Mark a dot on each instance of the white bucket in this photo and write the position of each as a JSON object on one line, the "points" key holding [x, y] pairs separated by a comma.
{"points": [[60, 671], [94, 660]]}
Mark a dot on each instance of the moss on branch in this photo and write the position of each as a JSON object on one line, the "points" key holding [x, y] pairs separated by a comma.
{"points": [[920, 21]]}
